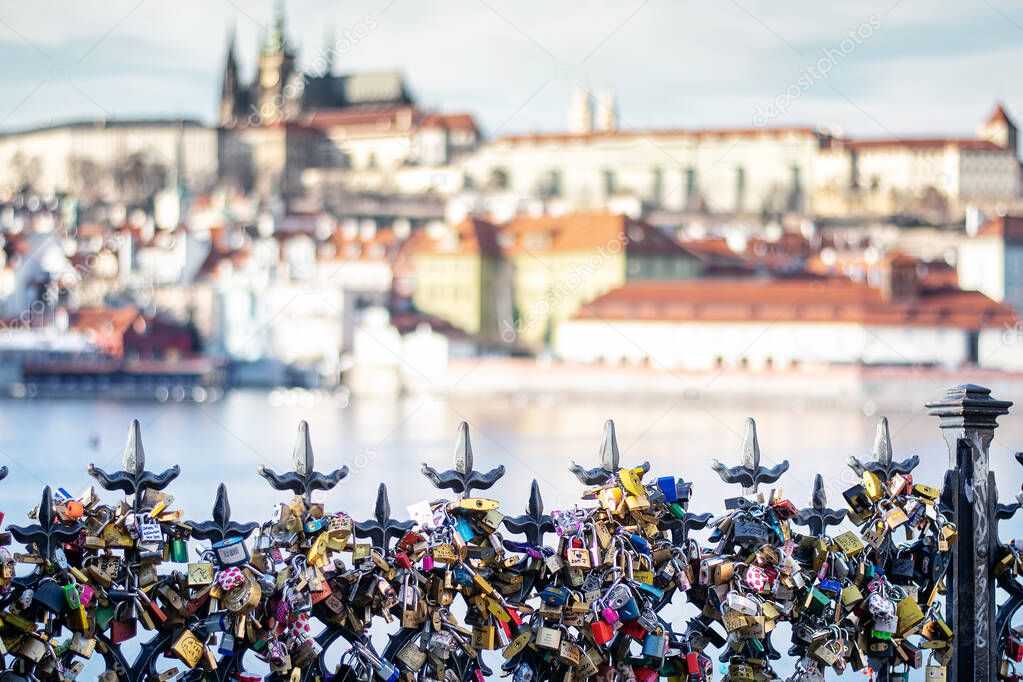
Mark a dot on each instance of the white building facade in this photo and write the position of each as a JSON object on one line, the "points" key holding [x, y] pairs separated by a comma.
{"points": [[64, 158]]}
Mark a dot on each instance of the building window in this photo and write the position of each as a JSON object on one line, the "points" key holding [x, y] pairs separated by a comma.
{"points": [[690, 187], [609, 183], [795, 201], [658, 186], [499, 179], [740, 187], [550, 186]]}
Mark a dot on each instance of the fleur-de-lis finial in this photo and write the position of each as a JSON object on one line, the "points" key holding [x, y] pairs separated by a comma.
{"points": [[882, 462], [48, 532], [680, 528], [463, 479], [610, 459], [382, 527], [133, 479], [750, 474], [303, 480], [818, 517], [221, 527], [534, 523]]}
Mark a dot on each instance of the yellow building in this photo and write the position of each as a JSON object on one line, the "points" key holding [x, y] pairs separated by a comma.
{"points": [[458, 277], [512, 285], [558, 263]]}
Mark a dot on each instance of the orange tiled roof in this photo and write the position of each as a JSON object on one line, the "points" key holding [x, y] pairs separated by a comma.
{"points": [[472, 236], [711, 248], [450, 122], [1000, 115], [795, 300], [382, 245], [104, 320], [1009, 228], [380, 118], [536, 138], [924, 143], [586, 232]]}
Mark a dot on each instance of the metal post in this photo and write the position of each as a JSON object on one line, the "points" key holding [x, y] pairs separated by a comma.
{"points": [[968, 417]]}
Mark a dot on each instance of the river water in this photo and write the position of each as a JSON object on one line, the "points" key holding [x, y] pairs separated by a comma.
{"points": [[53, 442]]}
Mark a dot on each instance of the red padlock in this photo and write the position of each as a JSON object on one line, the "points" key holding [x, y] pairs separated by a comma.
{"points": [[122, 630], [644, 674], [602, 632], [1014, 649], [633, 629], [402, 560]]}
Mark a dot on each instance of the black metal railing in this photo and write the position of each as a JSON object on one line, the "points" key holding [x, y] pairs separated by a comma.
{"points": [[463, 592]]}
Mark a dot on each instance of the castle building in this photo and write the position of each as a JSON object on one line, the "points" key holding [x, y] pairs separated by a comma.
{"points": [[286, 124]]}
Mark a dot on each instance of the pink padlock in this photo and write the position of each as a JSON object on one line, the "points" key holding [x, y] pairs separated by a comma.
{"points": [[756, 578], [281, 612], [427, 563], [609, 615], [85, 594]]}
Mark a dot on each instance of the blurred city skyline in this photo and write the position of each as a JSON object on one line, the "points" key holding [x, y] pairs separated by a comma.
{"points": [[892, 67]]}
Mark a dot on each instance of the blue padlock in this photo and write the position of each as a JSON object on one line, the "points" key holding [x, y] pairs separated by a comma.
{"points": [[461, 576], [639, 543], [554, 595], [230, 552], [463, 528], [654, 645], [628, 610], [667, 486], [651, 590], [830, 586]]}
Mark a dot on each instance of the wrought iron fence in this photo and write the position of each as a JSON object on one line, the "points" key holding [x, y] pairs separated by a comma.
{"points": [[574, 593]]}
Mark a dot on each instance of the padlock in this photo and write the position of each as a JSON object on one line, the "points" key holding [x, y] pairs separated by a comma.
{"points": [[230, 551], [872, 485], [1013, 647], [412, 657], [188, 648], [200, 574], [654, 644], [740, 671], [569, 652], [909, 615], [548, 638], [519, 643], [483, 637], [934, 672], [602, 631]]}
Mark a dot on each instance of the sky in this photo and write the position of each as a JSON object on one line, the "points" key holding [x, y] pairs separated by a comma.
{"points": [[870, 69]]}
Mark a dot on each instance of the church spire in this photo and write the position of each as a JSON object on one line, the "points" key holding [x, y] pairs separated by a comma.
{"points": [[328, 52], [230, 85], [277, 41]]}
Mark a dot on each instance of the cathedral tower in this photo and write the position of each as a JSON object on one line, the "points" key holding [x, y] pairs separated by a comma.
{"points": [[276, 65]]}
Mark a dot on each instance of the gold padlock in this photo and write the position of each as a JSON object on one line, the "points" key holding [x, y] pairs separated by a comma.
{"points": [[188, 648], [579, 557], [910, 615], [872, 484], [934, 672], [200, 573], [517, 644], [483, 637], [548, 638]]}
